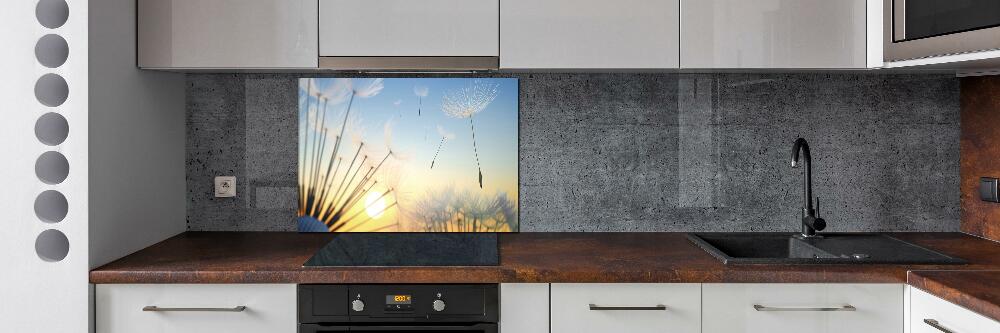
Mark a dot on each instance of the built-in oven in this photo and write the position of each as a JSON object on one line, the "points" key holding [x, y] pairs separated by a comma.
{"points": [[386, 308], [928, 28]]}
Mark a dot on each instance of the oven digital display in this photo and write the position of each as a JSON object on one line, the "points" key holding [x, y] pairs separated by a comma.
{"points": [[398, 299]]}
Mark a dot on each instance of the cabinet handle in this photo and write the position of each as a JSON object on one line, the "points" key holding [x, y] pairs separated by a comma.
{"points": [[154, 308], [848, 307], [935, 324], [658, 307]]}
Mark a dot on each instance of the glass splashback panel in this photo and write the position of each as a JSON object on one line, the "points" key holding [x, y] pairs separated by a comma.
{"points": [[408, 155]]}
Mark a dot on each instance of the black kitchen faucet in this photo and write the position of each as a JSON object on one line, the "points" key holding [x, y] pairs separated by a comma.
{"points": [[810, 221]]}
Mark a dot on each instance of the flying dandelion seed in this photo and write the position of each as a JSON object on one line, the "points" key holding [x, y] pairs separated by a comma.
{"points": [[466, 103], [396, 105], [444, 136], [421, 92]]}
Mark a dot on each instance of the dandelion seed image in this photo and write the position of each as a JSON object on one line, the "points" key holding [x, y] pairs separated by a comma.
{"points": [[421, 92], [465, 103], [363, 168], [444, 136]]}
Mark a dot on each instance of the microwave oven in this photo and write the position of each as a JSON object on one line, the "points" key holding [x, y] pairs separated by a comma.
{"points": [[915, 29]]}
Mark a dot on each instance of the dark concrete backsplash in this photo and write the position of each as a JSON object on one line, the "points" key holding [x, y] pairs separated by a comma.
{"points": [[639, 152]]}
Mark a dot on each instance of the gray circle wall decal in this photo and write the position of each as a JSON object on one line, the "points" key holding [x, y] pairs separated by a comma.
{"points": [[51, 90], [52, 167], [52, 13], [51, 129], [51, 206], [51, 51], [52, 245]]}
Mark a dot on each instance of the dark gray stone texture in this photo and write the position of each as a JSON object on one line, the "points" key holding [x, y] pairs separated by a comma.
{"points": [[640, 152]]}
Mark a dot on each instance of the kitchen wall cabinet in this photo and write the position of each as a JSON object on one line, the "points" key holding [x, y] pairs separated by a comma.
{"points": [[777, 34], [589, 34], [512, 34], [930, 314], [269, 308], [814, 308], [626, 307], [405, 28], [199, 34]]}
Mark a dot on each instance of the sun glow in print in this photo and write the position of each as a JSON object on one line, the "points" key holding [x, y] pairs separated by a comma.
{"points": [[375, 205]]}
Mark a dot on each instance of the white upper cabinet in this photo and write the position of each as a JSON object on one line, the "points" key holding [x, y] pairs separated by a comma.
{"points": [[409, 28], [775, 34], [227, 33], [589, 34]]}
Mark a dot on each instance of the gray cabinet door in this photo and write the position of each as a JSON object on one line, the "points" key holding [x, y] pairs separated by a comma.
{"points": [[228, 34], [589, 34], [408, 28], [773, 34]]}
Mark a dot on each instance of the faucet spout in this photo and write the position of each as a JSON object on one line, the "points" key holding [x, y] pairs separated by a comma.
{"points": [[810, 222]]}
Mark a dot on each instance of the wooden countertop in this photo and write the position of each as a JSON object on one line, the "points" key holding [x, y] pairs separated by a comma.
{"points": [[277, 257], [978, 291], [273, 257]]}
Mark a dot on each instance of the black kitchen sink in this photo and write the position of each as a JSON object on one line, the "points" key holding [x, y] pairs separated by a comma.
{"points": [[837, 248]]}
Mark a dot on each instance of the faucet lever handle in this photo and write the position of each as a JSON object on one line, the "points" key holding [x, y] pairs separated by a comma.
{"points": [[817, 206]]}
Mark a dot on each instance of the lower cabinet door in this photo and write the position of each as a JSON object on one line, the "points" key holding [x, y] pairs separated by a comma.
{"points": [[930, 314], [524, 308], [195, 308], [621, 307], [814, 308]]}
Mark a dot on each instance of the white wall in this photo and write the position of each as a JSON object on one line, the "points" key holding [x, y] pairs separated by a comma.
{"points": [[137, 188], [126, 135], [38, 295]]}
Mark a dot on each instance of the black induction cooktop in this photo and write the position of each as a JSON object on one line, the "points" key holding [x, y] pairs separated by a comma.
{"points": [[408, 249]]}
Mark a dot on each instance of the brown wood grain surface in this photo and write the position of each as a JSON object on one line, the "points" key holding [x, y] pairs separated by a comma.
{"points": [[980, 153], [275, 257], [978, 291]]}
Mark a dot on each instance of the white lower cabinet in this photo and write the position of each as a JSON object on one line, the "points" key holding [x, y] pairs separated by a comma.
{"points": [[625, 307], [930, 314], [524, 307], [196, 308], [816, 308]]}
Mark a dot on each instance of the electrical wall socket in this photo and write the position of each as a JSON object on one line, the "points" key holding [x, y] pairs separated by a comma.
{"points": [[225, 187]]}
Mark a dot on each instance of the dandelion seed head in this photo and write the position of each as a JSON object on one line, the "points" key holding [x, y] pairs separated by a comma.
{"points": [[445, 134], [330, 92], [366, 88], [421, 91], [470, 100], [388, 132], [354, 130]]}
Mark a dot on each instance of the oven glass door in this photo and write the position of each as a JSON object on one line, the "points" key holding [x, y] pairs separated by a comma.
{"points": [[475, 328], [916, 19]]}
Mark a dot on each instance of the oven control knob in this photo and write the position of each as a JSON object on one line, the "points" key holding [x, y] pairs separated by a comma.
{"points": [[358, 305], [438, 305]]}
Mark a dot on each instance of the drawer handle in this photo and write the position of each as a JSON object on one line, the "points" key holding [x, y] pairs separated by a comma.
{"points": [[848, 307], [658, 307], [154, 308], [935, 324]]}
